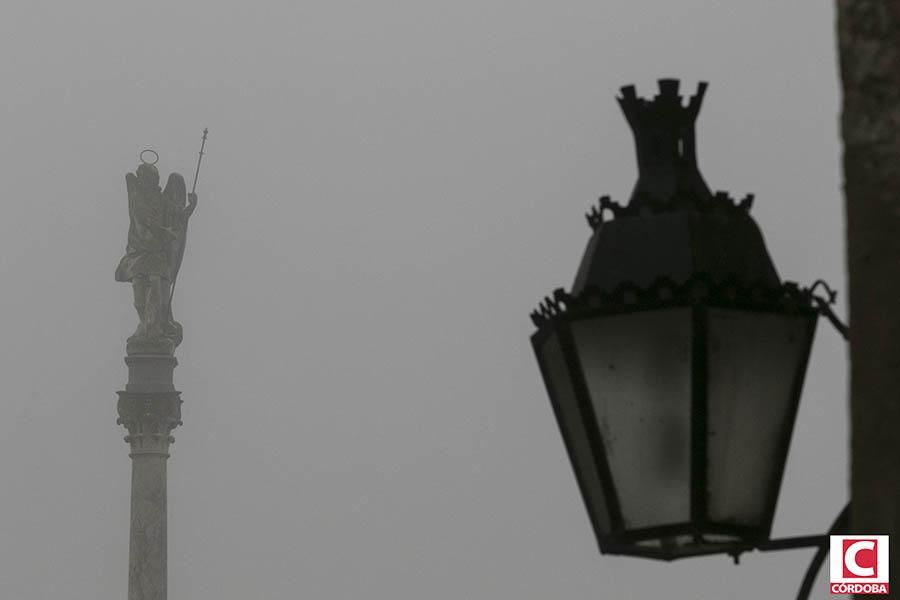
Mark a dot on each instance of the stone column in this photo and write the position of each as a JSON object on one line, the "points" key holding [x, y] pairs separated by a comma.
{"points": [[150, 409]]}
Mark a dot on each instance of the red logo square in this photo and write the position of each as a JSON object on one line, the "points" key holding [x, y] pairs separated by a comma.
{"points": [[860, 558]]}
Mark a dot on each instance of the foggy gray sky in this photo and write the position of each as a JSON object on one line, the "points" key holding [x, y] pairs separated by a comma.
{"points": [[390, 188]]}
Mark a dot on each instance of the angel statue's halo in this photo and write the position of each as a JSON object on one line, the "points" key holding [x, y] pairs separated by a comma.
{"points": [[153, 152]]}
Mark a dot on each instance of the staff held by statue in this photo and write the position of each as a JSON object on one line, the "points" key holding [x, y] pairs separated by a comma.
{"points": [[194, 196]]}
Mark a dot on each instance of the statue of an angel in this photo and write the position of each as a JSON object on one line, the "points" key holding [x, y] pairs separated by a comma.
{"points": [[156, 241]]}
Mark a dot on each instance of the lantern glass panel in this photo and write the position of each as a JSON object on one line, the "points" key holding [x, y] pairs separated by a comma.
{"points": [[572, 424], [754, 362], [637, 367]]}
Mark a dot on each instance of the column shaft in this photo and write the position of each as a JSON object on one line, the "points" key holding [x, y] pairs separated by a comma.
{"points": [[147, 553]]}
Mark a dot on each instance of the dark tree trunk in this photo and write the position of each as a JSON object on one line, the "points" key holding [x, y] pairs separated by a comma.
{"points": [[869, 49]]}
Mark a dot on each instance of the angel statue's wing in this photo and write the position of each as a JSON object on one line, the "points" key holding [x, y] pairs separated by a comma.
{"points": [[175, 195], [131, 185], [174, 200], [123, 271]]}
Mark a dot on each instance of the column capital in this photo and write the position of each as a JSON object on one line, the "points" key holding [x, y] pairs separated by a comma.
{"points": [[149, 418], [150, 407]]}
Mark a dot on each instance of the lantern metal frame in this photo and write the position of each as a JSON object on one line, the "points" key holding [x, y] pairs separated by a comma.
{"points": [[699, 295]]}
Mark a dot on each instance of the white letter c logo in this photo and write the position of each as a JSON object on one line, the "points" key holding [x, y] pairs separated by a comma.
{"points": [[850, 558]]}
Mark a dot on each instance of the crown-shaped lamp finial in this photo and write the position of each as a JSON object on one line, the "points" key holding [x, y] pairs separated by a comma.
{"points": [[663, 129]]}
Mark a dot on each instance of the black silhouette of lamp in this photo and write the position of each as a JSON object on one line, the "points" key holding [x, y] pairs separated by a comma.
{"points": [[675, 363]]}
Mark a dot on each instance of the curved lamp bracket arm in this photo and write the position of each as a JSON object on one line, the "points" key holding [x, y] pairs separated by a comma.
{"points": [[821, 542], [824, 304], [840, 525]]}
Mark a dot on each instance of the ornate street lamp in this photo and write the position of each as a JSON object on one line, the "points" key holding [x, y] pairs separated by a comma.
{"points": [[675, 363]]}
